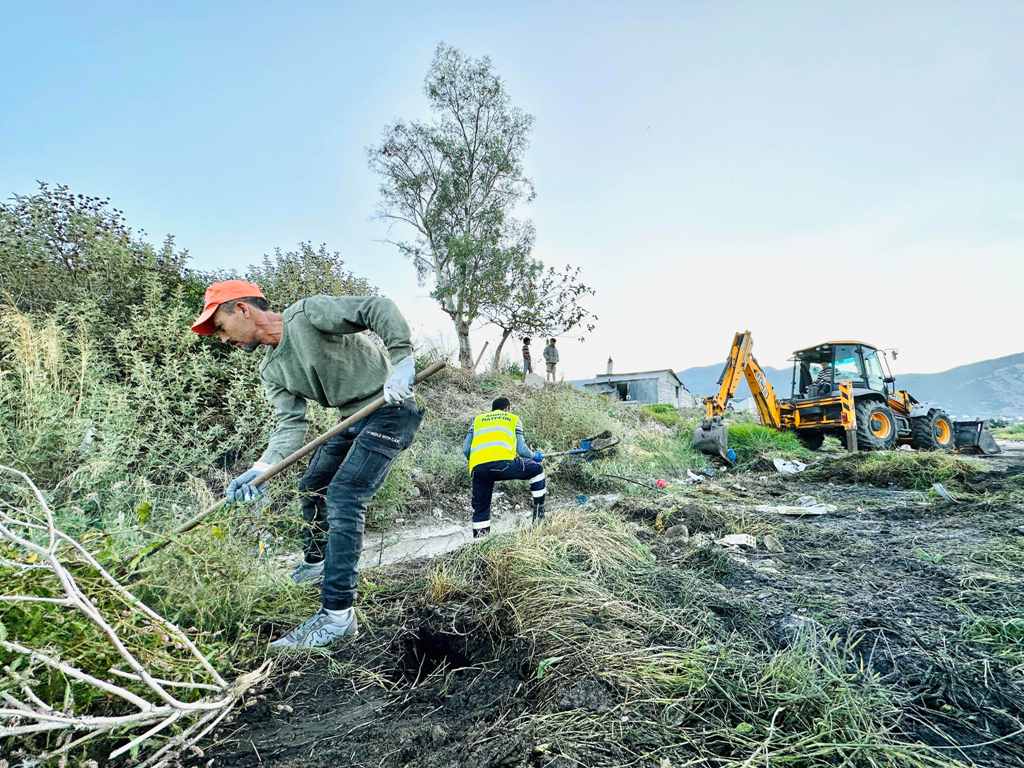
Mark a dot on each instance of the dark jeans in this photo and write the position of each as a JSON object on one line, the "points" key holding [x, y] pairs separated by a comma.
{"points": [[343, 475], [486, 475]]}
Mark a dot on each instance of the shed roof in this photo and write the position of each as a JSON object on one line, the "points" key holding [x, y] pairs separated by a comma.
{"points": [[611, 377]]}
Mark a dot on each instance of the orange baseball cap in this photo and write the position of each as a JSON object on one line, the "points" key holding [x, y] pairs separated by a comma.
{"points": [[217, 294]]}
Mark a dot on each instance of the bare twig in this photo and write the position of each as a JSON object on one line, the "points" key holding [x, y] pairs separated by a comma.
{"points": [[154, 709]]}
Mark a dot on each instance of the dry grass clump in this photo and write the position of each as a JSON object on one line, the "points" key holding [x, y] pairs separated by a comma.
{"points": [[592, 604], [913, 470]]}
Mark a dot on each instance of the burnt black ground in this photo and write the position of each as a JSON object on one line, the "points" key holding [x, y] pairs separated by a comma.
{"points": [[898, 575]]}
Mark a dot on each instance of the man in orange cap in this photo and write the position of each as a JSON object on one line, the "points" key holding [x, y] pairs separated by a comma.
{"points": [[316, 351]]}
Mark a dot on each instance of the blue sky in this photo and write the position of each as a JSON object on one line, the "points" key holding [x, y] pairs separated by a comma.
{"points": [[804, 170]]}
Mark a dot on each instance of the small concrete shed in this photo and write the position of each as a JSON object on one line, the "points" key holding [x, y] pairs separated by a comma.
{"points": [[645, 387]]}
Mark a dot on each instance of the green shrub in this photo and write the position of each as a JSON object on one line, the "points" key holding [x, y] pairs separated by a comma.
{"points": [[1010, 432], [664, 413], [754, 441], [556, 418]]}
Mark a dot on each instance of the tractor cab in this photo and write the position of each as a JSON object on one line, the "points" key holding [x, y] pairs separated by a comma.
{"points": [[818, 370]]}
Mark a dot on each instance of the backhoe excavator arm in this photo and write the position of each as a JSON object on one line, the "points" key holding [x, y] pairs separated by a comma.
{"points": [[764, 394], [735, 365], [741, 362], [711, 435]]}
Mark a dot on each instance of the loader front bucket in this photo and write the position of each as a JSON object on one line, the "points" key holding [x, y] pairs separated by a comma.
{"points": [[972, 437], [712, 438]]}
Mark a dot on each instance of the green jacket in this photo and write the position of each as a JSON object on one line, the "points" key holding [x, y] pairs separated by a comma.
{"points": [[323, 357]]}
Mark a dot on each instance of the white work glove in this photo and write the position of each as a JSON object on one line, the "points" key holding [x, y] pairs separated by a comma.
{"points": [[398, 387], [242, 487]]}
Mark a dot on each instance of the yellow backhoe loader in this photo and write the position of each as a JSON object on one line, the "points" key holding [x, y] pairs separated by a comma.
{"points": [[840, 388]]}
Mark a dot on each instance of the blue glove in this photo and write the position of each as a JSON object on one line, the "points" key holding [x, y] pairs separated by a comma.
{"points": [[398, 387], [242, 488], [538, 456]]}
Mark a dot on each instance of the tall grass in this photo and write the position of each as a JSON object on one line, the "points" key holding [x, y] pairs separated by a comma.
{"points": [[590, 602], [754, 441], [915, 470]]}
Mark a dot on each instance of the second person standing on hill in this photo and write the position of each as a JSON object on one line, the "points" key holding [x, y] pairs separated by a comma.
{"points": [[551, 359]]}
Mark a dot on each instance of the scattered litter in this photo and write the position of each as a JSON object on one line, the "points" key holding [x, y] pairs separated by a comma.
{"points": [[738, 540], [438, 513], [582, 498], [1019, 529], [660, 484], [805, 505], [693, 477], [772, 543], [940, 489], [788, 467]]}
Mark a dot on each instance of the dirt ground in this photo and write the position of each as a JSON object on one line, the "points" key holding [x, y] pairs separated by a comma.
{"points": [[910, 581]]}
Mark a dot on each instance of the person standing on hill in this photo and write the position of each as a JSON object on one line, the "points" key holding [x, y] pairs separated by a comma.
{"points": [[496, 449], [316, 352], [551, 359], [527, 360]]}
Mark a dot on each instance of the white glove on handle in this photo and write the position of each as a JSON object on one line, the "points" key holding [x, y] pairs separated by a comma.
{"points": [[242, 488], [398, 387]]}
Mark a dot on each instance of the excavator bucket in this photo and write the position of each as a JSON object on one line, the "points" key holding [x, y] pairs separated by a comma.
{"points": [[712, 438], [972, 437]]}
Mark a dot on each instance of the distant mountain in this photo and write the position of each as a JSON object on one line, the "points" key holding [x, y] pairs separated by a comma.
{"points": [[984, 390]]}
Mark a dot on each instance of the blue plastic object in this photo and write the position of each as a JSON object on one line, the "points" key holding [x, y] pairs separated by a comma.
{"points": [[731, 455]]}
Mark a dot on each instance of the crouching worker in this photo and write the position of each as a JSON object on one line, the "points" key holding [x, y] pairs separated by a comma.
{"points": [[496, 450], [315, 352]]}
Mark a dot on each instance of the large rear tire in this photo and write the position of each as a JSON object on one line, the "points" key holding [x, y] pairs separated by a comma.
{"points": [[933, 432], [811, 439], [876, 426]]}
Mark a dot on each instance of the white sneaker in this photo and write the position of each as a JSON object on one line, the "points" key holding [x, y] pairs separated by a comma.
{"points": [[322, 629], [308, 572]]}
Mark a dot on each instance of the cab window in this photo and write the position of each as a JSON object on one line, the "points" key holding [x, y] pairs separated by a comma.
{"points": [[873, 367], [847, 364]]}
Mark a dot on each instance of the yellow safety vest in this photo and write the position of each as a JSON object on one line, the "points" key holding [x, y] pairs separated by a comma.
{"points": [[494, 438]]}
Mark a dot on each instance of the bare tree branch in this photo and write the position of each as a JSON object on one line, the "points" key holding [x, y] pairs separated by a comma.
{"points": [[154, 709]]}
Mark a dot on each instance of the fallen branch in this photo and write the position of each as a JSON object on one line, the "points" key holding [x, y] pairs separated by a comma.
{"points": [[154, 708]]}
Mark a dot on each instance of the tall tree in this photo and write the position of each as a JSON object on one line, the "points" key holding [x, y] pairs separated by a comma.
{"points": [[539, 302], [454, 183]]}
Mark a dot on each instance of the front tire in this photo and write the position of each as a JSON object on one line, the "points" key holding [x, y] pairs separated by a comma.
{"points": [[933, 432], [876, 426]]}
